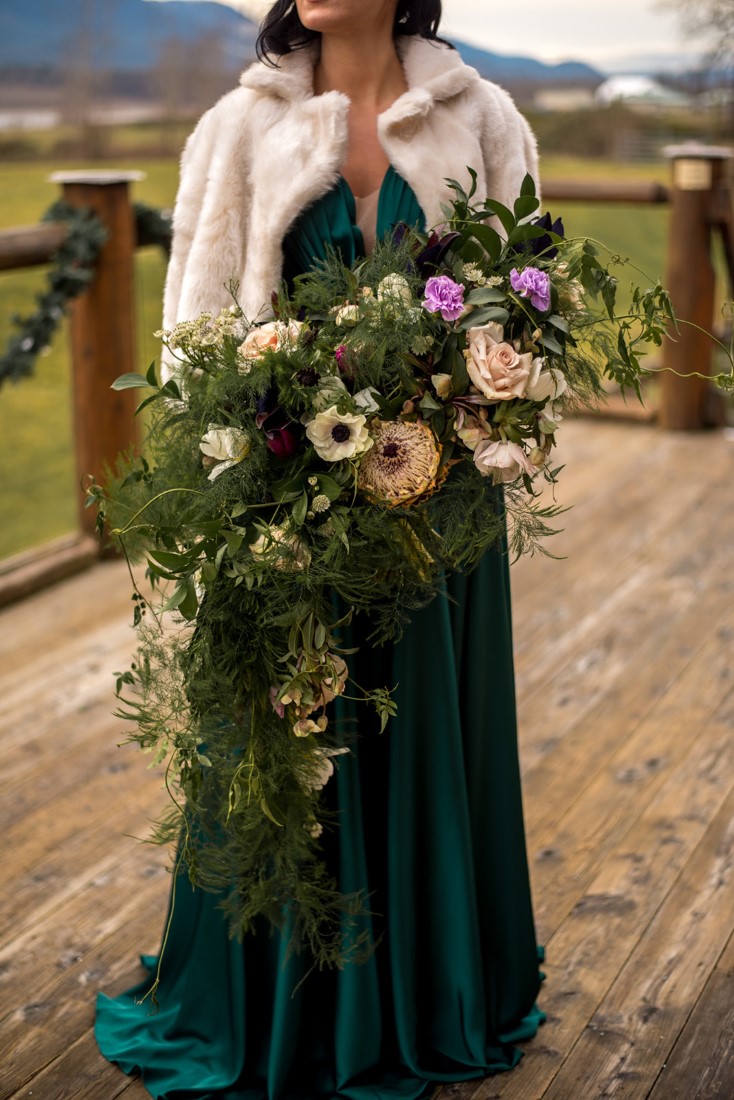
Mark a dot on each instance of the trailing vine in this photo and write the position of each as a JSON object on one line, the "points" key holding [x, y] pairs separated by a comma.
{"points": [[70, 273]]}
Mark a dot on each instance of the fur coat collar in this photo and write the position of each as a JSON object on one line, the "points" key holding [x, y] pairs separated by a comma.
{"points": [[271, 147]]}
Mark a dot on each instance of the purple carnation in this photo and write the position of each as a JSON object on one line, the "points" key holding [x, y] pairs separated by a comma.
{"points": [[444, 296], [533, 284]]}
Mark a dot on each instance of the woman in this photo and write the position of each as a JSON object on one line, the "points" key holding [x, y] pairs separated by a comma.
{"points": [[362, 118]]}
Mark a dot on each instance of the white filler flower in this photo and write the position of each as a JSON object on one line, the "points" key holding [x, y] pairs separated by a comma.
{"points": [[223, 447], [338, 435]]}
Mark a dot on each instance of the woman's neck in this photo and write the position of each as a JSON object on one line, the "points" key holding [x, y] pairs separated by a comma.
{"points": [[342, 67]]}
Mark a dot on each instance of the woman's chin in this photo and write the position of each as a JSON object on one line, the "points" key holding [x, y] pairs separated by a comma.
{"points": [[342, 17]]}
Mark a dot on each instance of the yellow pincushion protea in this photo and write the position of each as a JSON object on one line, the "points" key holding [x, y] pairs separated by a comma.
{"points": [[402, 465]]}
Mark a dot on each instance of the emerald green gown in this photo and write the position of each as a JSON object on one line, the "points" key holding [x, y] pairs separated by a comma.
{"points": [[430, 824]]}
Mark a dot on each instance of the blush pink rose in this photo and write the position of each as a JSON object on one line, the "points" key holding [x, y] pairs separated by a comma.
{"points": [[268, 337], [495, 368]]}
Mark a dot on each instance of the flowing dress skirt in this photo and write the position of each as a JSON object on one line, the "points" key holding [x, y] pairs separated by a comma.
{"points": [[429, 824]]}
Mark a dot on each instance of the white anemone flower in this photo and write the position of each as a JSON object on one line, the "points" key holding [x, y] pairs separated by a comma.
{"points": [[223, 447], [338, 435]]}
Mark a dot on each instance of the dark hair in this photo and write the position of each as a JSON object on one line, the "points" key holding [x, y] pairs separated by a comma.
{"points": [[282, 30]]}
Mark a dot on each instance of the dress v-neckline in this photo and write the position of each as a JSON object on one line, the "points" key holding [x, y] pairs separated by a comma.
{"points": [[354, 201]]}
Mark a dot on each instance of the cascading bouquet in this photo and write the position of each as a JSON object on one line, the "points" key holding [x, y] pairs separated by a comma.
{"points": [[334, 462]]}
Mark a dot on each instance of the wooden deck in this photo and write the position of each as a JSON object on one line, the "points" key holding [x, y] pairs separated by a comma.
{"points": [[625, 665]]}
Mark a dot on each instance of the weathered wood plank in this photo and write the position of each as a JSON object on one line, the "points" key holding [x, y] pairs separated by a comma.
{"points": [[702, 1062], [626, 720], [610, 916], [79, 1073], [46, 847], [37, 631], [631, 1033], [88, 940]]}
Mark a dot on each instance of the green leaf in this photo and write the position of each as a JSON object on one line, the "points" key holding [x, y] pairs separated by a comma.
{"points": [[559, 323], [551, 345], [482, 316], [459, 374], [429, 404], [505, 216], [329, 487], [525, 206], [189, 605], [526, 233], [269, 814], [299, 510], [130, 382], [234, 541], [527, 186], [489, 239], [169, 560], [483, 295], [150, 376]]}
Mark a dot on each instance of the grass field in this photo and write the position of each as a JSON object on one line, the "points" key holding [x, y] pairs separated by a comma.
{"points": [[37, 489]]}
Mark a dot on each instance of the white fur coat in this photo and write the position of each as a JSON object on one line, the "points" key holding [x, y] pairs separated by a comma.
{"points": [[271, 147]]}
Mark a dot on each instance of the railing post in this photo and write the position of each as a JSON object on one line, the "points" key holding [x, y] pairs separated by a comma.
{"points": [[102, 329], [699, 173]]}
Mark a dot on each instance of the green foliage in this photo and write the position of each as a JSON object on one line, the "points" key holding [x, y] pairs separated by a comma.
{"points": [[264, 535]]}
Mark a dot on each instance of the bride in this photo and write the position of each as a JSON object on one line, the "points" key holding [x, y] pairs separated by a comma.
{"points": [[350, 122]]}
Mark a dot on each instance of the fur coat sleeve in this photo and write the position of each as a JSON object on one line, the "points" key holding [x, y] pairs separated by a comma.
{"points": [[270, 148]]}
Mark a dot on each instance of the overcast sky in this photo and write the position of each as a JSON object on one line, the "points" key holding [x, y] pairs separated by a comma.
{"points": [[593, 30], [614, 34]]}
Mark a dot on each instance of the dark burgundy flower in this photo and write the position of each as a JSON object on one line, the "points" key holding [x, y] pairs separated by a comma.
{"points": [[544, 244], [308, 376], [282, 442], [433, 254]]}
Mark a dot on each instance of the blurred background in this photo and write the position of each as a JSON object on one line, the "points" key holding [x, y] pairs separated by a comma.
{"points": [[119, 84]]}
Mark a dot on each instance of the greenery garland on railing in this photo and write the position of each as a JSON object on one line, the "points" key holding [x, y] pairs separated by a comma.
{"points": [[71, 272]]}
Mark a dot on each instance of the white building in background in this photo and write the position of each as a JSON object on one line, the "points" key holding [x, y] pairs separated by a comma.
{"points": [[640, 92], [564, 99]]}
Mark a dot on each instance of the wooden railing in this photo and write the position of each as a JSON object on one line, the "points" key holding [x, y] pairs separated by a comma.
{"points": [[103, 324], [102, 338]]}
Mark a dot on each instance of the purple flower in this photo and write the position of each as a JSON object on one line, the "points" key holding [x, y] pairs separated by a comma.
{"points": [[444, 296], [533, 284]]}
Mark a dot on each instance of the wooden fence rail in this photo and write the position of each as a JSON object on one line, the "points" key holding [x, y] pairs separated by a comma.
{"points": [[102, 324]]}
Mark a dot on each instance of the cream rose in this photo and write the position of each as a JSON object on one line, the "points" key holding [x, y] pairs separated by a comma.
{"points": [[223, 448], [503, 461], [495, 368], [544, 383], [394, 289], [347, 315], [268, 337]]}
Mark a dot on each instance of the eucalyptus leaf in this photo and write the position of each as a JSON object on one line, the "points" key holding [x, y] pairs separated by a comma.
{"points": [[130, 382]]}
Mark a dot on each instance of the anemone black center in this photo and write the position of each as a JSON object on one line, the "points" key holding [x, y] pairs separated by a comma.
{"points": [[340, 433]]}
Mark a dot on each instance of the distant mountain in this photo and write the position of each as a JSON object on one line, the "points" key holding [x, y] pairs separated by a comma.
{"points": [[119, 34], [130, 34], [527, 70]]}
